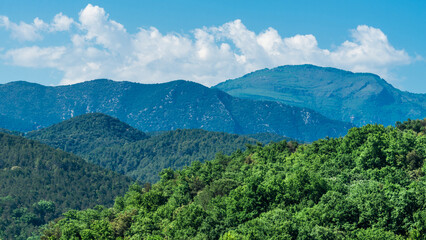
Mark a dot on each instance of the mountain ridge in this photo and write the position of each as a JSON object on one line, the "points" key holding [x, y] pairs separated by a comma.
{"points": [[157, 107], [110, 143], [360, 98]]}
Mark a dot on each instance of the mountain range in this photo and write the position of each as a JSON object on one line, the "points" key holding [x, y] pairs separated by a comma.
{"points": [[359, 98], [158, 107], [56, 141]]}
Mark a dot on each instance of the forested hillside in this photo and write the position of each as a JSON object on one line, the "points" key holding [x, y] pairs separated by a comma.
{"points": [[107, 142], [369, 184], [143, 160], [159, 107], [359, 98], [82, 134], [2, 130], [39, 183], [418, 126]]}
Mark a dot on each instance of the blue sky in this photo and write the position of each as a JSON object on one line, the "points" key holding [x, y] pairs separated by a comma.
{"points": [[209, 41]]}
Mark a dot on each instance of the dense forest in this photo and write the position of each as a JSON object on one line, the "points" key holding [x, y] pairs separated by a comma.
{"points": [[418, 126], [3, 130], [369, 184], [143, 160], [39, 183], [110, 143], [82, 134]]}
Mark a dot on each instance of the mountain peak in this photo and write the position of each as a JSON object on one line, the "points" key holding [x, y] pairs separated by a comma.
{"points": [[93, 129], [359, 98], [161, 107], [23, 84]]}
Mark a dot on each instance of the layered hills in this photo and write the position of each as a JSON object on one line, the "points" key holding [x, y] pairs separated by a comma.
{"points": [[159, 107], [108, 142], [369, 184], [359, 98], [39, 183]]}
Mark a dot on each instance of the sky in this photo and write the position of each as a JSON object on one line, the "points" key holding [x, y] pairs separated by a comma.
{"points": [[66, 42]]}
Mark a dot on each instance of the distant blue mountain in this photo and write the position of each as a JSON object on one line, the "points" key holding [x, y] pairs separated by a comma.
{"points": [[360, 98], [158, 107]]}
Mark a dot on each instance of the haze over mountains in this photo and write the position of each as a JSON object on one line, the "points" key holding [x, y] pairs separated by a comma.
{"points": [[359, 98], [156, 107]]}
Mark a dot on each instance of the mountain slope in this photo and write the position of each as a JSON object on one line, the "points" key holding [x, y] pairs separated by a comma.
{"points": [[107, 142], [144, 160], [359, 98], [39, 183], [81, 134], [159, 107], [367, 185]]}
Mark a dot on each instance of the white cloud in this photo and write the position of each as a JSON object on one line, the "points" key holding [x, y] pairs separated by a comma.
{"points": [[4, 22], [102, 48], [106, 33], [370, 51], [36, 56], [23, 31], [33, 31], [61, 23]]}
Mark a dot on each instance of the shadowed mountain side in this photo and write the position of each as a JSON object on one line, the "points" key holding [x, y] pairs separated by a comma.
{"points": [[39, 183]]}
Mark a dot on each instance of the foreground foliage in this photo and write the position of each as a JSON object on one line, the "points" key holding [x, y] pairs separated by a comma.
{"points": [[369, 184], [39, 183], [418, 126]]}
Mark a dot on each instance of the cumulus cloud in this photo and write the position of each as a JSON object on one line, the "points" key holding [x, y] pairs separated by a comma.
{"points": [[369, 50], [61, 23], [36, 56], [102, 48], [33, 31], [23, 31]]}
